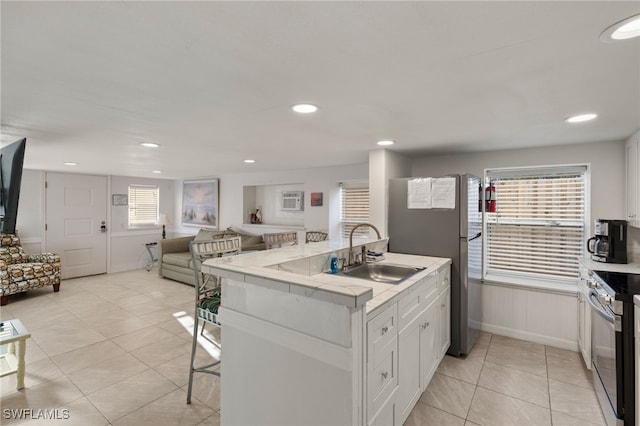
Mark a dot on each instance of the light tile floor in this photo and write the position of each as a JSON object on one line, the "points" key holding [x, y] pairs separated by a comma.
{"points": [[114, 350]]}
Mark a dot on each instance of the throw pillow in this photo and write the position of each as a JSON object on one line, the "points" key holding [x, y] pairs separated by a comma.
{"points": [[208, 234]]}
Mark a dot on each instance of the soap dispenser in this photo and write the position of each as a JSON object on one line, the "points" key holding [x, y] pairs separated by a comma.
{"points": [[334, 262]]}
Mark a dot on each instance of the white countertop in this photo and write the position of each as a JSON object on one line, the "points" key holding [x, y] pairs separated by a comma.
{"points": [[295, 269], [633, 267]]}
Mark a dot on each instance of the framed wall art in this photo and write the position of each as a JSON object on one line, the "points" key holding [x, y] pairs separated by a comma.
{"points": [[316, 199], [119, 199], [200, 203]]}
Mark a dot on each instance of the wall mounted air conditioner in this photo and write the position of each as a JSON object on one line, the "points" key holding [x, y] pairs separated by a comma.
{"points": [[293, 200]]}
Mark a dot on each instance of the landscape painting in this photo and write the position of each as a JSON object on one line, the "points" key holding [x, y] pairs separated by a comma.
{"points": [[200, 203]]}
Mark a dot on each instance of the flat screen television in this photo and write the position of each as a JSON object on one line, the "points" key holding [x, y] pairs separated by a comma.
{"points": [[11, 161]]}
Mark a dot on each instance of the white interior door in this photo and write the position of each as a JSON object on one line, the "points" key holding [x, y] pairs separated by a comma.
{"points": [[76, 215]]}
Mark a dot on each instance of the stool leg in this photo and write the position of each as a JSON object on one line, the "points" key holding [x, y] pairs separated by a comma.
{"points": [[194, 345]]}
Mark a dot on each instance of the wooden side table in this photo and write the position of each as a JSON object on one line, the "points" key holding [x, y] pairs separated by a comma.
{"points": [[13, 335]]}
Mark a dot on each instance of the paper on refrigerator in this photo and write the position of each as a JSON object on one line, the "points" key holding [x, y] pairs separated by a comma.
{"points": [[431, 193], [443, 193], [419, 193]]}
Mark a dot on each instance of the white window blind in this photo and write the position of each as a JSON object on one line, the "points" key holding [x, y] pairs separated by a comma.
{"points": [[143, 206], [538, 227], [354, 198]]}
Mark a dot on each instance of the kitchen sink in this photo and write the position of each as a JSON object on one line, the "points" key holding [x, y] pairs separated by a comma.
{"points": [[382, 272]]}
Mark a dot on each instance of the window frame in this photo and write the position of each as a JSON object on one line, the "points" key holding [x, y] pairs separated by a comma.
{"points": [[132, 205], [348, 223], [533, 279]]}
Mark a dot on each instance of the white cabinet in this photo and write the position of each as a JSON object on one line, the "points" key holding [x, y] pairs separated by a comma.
{"points": [[632, 152], [637, 339], [584, 317], [412, 344], [382, 361], [424, 335], [405, 343], [409, 377], [429, 343], [444, 305]]}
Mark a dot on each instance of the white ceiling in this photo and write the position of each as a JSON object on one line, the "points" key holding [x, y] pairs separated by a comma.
{"points": [[212, 82]]}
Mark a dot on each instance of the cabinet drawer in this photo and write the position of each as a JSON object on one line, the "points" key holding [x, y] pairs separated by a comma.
{"points": [[429, 290], [412, 303], [382, 378], [444, 277], [380, 331]]}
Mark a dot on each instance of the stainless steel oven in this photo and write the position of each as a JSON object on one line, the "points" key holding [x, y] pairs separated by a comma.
{"points": [[612, 345], [606, 338]]}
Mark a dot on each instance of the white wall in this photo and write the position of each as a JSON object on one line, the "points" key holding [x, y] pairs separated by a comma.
{"points": [[323, 179], [384, 165], [606, 159], [543, 316], [126, 246], [30, 221]]}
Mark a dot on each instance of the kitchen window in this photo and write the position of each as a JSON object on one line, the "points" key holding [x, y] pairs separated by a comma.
{"points": [[143, 206], [535, 223], [354, 200]]}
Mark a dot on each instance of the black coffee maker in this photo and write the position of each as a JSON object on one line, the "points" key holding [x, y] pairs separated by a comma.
{"points": [[610, 243]]}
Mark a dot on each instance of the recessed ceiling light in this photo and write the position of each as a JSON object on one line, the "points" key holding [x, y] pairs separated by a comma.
{"points": [[157, 172], [581, 118], [149, 144], [249, 161], [386, 142], [623, 30], [70, 163], [304, 108]]}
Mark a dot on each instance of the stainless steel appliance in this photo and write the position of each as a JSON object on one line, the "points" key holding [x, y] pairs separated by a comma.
{"points": [[443, 232], [610, 242], [612, 344]]}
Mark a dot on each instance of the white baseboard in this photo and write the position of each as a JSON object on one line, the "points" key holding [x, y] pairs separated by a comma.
{"points": [[531, 337]]}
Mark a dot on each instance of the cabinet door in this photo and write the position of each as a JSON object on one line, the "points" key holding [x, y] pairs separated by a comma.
{"points": [[429, 343], [444, 326], [386, 416], [581, 330], [382, 359], [409, 386], [637, 333], [633, 180]]}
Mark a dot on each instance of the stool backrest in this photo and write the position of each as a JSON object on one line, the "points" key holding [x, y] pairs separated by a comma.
{"points": [[314, 236], [280, 239]]}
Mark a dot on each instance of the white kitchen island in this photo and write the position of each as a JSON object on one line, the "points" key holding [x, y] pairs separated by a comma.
{"points": [[304, 347]]}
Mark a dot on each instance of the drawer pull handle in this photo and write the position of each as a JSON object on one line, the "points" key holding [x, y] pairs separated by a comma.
{"points": [[425, 325], [385, 329], [384, 375]]}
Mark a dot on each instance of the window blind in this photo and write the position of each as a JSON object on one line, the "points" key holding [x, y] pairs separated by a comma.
{"points": [[143, 206], [538, 226], [354, 198]]}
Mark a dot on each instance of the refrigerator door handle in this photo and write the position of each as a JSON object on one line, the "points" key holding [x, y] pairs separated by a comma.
{"points": [[478, 235]]}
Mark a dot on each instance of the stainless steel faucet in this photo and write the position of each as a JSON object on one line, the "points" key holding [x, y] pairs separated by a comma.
{"points": [[351, 259]]}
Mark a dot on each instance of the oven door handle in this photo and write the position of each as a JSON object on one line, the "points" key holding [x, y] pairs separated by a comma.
{"points": [[596, 307]]}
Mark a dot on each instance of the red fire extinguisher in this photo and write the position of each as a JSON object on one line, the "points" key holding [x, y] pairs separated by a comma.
{"points": [[490, 198]]}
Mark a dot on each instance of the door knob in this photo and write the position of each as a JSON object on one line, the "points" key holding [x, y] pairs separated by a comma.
{"points": [[103, 227]]}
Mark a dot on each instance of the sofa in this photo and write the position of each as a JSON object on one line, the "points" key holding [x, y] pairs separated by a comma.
{"points": [[20, 272], [174, 258]]}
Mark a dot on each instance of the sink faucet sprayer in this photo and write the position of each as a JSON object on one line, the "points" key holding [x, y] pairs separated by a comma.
{"points": [[351, 260]]}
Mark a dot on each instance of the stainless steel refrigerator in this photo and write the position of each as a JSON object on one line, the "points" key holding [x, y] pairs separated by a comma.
{"points": [[455, 233]]}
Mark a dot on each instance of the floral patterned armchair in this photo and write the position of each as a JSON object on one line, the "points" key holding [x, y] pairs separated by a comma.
{"points": [[20, 271]]}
